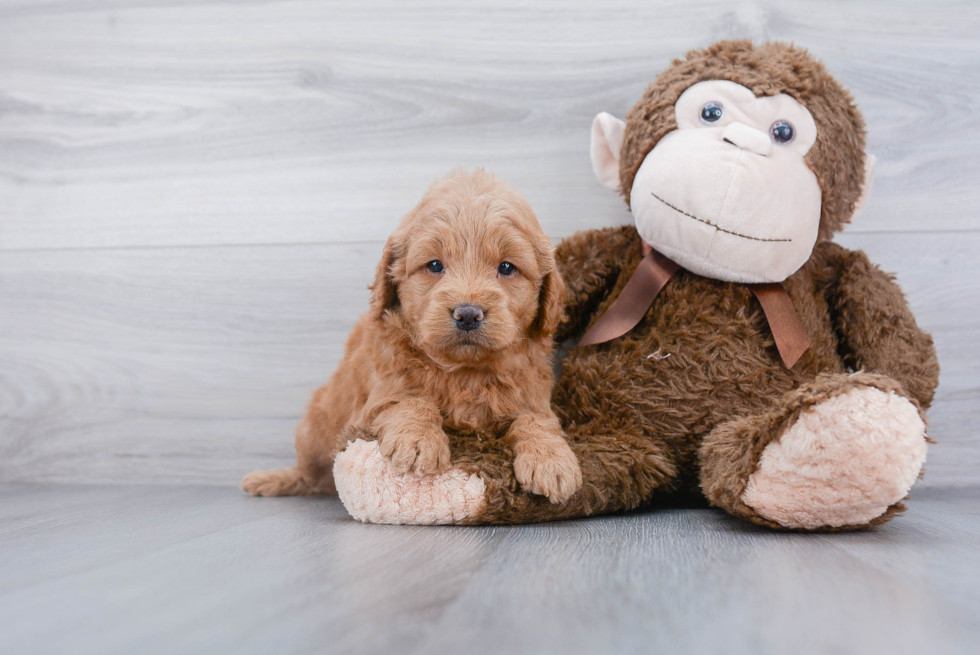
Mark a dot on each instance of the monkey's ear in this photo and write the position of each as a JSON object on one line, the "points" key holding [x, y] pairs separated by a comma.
{"points": [[384, 294], [869, 175], [607, 139]]}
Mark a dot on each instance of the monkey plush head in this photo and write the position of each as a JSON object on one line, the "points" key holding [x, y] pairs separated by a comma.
{"points": [[737, 159]]}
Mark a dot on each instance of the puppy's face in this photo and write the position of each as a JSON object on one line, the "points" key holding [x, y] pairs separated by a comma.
{"points": [[471, 271]]}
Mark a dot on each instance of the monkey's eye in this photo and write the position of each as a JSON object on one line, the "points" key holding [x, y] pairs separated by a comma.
{"points": [[435, 266], [711, 113], [506, 268], [782, 132]]}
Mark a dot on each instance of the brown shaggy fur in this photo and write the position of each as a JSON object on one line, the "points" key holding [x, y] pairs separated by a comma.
{"points": [[409, 370], [685, 403]]}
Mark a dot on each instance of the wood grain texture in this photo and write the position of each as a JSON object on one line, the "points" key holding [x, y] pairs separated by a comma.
{"points": [[152, 123], [144, 569], [193, 195]]}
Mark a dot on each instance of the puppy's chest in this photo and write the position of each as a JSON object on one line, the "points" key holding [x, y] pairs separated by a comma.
{"points": [[476, 403]]}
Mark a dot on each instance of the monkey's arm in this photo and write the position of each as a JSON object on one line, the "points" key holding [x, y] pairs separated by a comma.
{"points": [[589, 262], [877, 329]]}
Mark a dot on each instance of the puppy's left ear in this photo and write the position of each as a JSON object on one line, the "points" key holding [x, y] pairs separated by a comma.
{"points": [[384, 292], [551, 303]]}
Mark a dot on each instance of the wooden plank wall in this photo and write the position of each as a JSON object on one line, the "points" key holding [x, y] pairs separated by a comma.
{"points": [[193, 195]]}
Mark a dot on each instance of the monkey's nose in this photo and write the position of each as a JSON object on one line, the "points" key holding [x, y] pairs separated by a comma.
{"points": [[747, 138], [468, 317]]}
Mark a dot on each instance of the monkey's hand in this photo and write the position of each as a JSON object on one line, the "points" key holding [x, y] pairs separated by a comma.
{"points": [[878, 331], [590, 263]]}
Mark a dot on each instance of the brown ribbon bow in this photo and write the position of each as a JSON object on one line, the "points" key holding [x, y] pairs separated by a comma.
{"points": [[653, 274]]}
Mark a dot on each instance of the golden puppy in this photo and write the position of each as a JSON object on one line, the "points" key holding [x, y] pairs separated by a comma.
{"points": [[459, 334]]}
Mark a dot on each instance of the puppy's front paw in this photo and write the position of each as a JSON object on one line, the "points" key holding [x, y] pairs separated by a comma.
{"points": [[423, 452], [547, 468]]}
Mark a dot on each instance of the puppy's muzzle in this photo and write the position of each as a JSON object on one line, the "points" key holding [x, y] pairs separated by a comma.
{"points": [[468, 317]]}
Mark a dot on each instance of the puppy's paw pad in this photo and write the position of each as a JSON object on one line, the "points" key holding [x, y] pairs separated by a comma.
{"points": [[419, 453], [432, 454], [550, 470], [373, 492], [844, 462]]}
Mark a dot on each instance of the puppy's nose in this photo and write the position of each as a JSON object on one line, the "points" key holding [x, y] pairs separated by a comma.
{"points": [[468, 317]]}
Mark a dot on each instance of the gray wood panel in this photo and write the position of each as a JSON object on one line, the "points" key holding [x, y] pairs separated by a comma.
{"points": [[151, 123], [141, 569], [193, 195]]}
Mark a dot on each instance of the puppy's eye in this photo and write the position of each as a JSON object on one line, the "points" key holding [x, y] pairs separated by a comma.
{"points": [[435, 266], [506, 268]]}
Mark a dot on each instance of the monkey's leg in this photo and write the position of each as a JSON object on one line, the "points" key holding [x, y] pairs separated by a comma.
{"points": [[620, 471], [837, 453]]}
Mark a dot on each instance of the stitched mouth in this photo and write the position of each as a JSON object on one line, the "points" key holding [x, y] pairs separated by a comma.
{"points": [[717, 227]]}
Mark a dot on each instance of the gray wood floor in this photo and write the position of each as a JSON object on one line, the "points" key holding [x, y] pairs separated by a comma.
{"points": [[168, 569], [193, 196]]}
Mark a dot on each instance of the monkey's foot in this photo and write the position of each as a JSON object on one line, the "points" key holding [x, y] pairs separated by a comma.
{"points": [[373, 493], [843, 463]]}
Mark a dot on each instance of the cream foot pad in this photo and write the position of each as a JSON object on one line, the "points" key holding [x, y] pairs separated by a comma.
{"points": [[843, 462], [373, 494]]}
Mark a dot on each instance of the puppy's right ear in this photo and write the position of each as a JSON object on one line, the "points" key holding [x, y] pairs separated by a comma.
{"points": [[384, 292]]}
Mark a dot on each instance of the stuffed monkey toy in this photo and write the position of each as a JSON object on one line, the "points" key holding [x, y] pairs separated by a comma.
{"points": [[731, 352]]}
